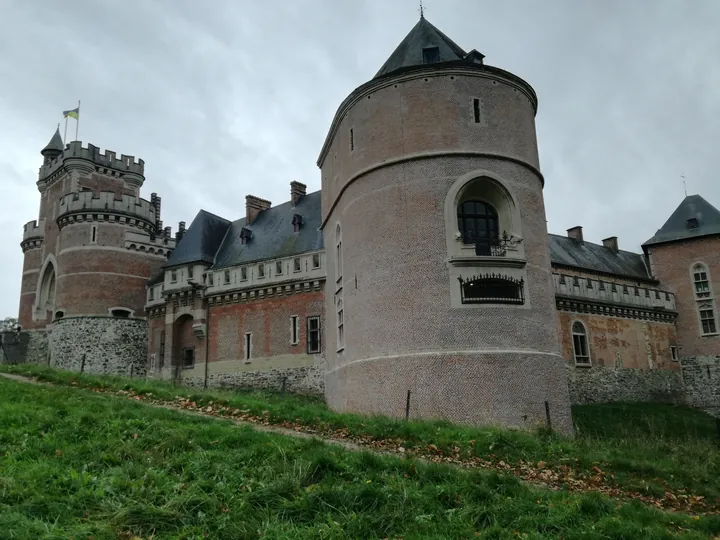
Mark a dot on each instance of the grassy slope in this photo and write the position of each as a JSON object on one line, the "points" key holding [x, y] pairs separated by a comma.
{"points": [[79, 464], [647, 448]]}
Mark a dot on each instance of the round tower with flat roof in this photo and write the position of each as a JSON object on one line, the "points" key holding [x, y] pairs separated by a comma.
{"points": [[439, 292]]}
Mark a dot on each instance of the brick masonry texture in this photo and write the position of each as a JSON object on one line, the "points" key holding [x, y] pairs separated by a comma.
{"points": [[400, 331], [307, 380], [672, 264], [622, 343], [601, 384], [109, 345]]}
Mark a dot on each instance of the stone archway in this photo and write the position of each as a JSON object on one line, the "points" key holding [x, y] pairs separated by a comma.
{"points": [[46, 297]]}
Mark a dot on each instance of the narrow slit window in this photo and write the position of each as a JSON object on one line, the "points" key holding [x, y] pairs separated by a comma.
{"points": [[248, 346], [93, 234], [476, 110], [294, 330], [313, 335], [352, 140]]}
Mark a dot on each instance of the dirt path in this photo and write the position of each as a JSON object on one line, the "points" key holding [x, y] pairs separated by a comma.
{"points": [[537, 475]]}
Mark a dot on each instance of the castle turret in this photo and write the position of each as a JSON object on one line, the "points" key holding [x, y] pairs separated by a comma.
{"points": [[54, 148], [434, 164]]}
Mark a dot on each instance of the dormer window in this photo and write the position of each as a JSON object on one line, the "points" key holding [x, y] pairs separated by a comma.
{"points": [[431, 55], [692, 223], [245, 235], [297, 222]]}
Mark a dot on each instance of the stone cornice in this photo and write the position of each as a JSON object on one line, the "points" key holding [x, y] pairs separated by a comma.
{"points": [[31, 243], [577, 305], [260, 293], [83, 216]]}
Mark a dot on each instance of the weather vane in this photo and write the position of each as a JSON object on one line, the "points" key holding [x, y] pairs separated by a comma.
{"points": [[422, 14], [682, 175]]}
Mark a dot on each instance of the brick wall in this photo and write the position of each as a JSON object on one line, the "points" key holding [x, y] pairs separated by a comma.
{"points": [[672, 264], [618, 342]]}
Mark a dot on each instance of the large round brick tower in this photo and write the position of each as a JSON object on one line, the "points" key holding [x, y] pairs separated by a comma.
{"points": [[87, 260], [439, 285]]}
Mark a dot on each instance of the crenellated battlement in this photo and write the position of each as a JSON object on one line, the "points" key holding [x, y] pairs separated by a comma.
{"points": [[34, 229], [106, 205], [154, 245], [109, 160]]}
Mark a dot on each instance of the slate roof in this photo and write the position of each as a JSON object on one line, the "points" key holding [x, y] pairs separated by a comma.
{"points": [[55, 144], [410, 51], [586, 255], [676, 227], [200, 241], [273, 235]]}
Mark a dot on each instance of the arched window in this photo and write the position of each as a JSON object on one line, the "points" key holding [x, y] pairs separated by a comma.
{"points": [[121, 312], [478, 225], [47, 289], [338, 255], [581, 350], [701, 281]]}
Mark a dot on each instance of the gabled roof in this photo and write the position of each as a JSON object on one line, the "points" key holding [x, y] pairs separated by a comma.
{"points": [[200, 241], [410, 50], [273, 235], [676, 227], [566, 251], [55, 145]]}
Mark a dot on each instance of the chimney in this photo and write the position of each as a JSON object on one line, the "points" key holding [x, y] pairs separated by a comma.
{"points": [[253, 206], [180, 232], [611, 243], [297, 191], [156, 203], [168, 231], [575, 233]]}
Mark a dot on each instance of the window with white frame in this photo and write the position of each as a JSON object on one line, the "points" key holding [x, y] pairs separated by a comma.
{"points": [[701, 281], [707, 321], [227, 277], [316, 260], [340, 325], [248, 347], [173, 276], [581, 351], [294, 330], [278, 268], [190, 272], [261, 270], [243, 273], [313, 335], [296, 264]]}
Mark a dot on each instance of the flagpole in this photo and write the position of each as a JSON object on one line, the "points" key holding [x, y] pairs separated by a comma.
{"points": [[77, 121], [64, 136]]}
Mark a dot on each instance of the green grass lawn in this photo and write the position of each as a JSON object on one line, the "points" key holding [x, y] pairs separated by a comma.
{"points": [[80, 464], [644, 448]]}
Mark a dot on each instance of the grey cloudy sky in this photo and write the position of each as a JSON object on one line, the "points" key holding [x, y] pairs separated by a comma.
{"points": [[232, 97]]}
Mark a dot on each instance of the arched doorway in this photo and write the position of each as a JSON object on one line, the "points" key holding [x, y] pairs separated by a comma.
{"points": [[46, 299], [183, 344]]}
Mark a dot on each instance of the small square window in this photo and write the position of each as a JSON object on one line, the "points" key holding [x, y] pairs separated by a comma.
{"points": [[431, 55], [692, 223], [296, 264], [188, 358]]}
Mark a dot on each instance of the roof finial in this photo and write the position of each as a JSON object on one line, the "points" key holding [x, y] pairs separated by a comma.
{"points": [[682, 175], [422, 14]]}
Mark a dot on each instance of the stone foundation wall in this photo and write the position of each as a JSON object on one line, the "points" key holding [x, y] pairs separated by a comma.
{"points": [[25, 348], [701, 378], [100, 345], [307, 380], [600, 384]]}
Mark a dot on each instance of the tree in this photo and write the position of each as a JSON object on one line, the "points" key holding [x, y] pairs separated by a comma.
{"points": [[8, 324]]}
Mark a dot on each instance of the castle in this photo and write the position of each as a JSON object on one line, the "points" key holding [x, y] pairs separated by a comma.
{"points": [[420, 280]]}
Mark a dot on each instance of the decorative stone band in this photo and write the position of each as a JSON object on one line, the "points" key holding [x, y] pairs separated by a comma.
{"points": [[610, 310], [268, 292], [31, 243]]}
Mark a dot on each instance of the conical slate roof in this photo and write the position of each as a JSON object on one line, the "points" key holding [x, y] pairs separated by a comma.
{"points": [[694, 217], [55, 146], [410, 51]]}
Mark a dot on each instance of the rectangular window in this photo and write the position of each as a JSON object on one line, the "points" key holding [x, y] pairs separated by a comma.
{"points": [[476, 110], [338, 262], [93, 234], [294, 330], [261, 270], [581, 349], [248, 347], [278, 268], [227, 277], [173, 276], [151, 293], [316, 260], [243, 273], [188, 358], [296, 264], [313, 335], [674, 353], [190, 272], [431, 55], [702, 284], [162, 347], [340, 326], [707, 319], [210, 279]]}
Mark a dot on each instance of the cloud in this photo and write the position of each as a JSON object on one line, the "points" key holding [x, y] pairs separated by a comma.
{"points": [[227, 98]]}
